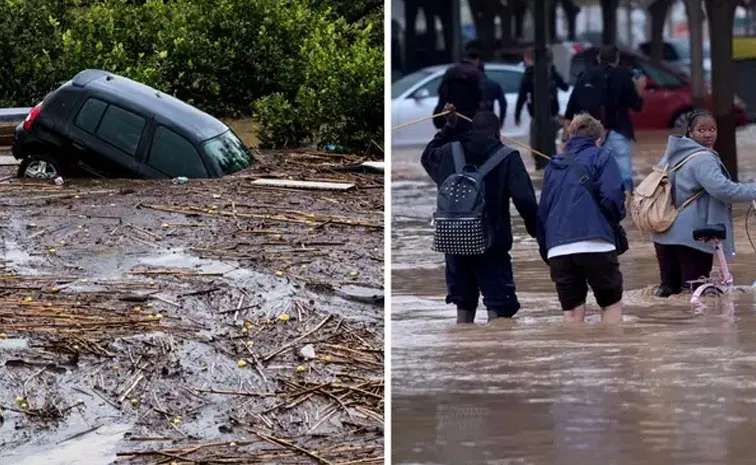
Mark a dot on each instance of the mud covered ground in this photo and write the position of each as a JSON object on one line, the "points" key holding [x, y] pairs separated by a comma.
{"points": [[211, 322]]}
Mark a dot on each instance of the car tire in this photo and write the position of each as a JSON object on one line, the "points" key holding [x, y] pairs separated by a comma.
{"points": [[40, 167], [680, 120]]}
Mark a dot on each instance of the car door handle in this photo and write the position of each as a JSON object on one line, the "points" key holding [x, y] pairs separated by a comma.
{"points": [[78, 145]]}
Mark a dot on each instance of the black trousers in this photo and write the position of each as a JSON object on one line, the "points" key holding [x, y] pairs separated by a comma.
{"points": [[489, 274], [678, 265]]}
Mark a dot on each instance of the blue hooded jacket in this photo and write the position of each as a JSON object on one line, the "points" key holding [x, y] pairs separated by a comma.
{"points": [[567, 212]]}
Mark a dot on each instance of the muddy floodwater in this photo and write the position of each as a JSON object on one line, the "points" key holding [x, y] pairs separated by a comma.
{"points": [[668, 386], [212, 322]]}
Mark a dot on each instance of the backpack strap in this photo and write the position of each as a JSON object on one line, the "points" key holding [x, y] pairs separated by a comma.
{"points": [[459, 156], [686, 159], [494, 160]]}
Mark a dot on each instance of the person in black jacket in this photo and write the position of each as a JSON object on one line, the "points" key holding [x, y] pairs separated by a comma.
{"points": [[620, 95], [490, 273], [462, 86], [492, 92], [526, 94]]}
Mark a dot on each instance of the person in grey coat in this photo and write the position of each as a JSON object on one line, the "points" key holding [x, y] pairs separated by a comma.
{"points": [[681, 258]]}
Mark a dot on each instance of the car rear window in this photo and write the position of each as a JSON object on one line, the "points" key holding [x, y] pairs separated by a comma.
{"points": [[173, 155], [508, 80], [229, 151], [122, 129], [90, 114]]}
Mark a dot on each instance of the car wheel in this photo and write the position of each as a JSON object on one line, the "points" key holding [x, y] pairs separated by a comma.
{"points": [[39, 167], [681, 121]]}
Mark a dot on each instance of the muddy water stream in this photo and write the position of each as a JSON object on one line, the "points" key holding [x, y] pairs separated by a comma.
{"points": [[666, 387]]}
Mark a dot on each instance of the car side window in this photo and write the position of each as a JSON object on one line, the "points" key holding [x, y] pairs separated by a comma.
{"points": [[173, 155], [90, 114], [508, 80], [123, 129], [669, 53], [662, 78], [431, 86]]}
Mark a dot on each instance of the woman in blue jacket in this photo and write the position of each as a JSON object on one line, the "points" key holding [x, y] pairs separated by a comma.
{"points": [[575, 234]]}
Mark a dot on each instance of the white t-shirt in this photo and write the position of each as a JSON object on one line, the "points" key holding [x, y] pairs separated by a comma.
{"points": [[591, 246]]}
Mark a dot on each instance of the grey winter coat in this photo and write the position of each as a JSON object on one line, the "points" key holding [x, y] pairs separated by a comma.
{"points": [[703, 172]]}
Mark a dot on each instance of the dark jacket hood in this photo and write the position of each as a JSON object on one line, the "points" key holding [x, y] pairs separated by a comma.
{"points": [[575, 145], [478, 146]]}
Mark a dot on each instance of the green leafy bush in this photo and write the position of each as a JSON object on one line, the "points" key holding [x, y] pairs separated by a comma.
{"points": [[306, 73]]}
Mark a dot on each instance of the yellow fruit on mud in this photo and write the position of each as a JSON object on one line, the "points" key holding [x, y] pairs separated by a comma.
{"points": [[19, 399], [24, 405], [28, 299], [250, 344], [3, 336], [300, 369], [284, 317], [177, 421], [353, 273], [79, 401], [241, 363], [279, 273], [244, 330], [51, 251], [134, 401]]}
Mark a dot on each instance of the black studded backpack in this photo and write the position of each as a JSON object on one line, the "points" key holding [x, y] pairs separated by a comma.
{"points": [[460, 223]]}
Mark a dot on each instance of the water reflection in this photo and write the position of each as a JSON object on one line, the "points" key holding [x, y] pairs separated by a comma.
{"points": [[670, 386]]}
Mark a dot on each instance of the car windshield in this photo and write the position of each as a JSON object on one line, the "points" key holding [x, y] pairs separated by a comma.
{"points": [[402, 85], [229, 151]]}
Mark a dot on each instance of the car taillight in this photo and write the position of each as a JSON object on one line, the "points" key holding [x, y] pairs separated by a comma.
{"points": [[29, 121], [577, 48]]}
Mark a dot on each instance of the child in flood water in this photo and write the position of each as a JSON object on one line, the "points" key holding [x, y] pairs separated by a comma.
{"points": [[706, 182], [575, 231]]}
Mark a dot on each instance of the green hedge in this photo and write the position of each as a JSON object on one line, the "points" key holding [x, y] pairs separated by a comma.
{"points": [[297, 66]]}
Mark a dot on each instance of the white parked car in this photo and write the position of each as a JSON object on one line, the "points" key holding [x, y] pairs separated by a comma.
{"points": [[415, 96]]}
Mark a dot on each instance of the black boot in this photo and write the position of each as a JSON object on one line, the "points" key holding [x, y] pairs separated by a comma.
{"points": [[465, 316], [664, 292]]}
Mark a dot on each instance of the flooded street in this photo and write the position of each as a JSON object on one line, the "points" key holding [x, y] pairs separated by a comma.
{"points": [[211, 322], [666, 387]]}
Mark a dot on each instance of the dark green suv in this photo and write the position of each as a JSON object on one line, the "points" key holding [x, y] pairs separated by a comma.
{"points": [[110, 126]]}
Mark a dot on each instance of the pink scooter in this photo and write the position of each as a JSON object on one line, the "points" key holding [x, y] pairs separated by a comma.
{"points": [[722, 284]]}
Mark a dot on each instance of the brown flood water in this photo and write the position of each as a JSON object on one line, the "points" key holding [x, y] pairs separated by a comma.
{"points": [[666, 387]]}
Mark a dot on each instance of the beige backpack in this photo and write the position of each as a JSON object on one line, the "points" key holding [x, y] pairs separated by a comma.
{"points": [[652, 207]]}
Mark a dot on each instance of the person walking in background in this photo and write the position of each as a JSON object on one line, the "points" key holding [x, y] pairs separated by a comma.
{"points": [[702, 184], [608, 91], [492, 92], [526, 95], [582, 200], [467, 276], [463, 87]]}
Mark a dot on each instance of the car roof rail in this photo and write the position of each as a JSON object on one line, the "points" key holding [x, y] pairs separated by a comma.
{"points": [[85, 77]]}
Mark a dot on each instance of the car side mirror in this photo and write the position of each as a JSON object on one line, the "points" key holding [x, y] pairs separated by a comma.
{"points": [[421, 94]]}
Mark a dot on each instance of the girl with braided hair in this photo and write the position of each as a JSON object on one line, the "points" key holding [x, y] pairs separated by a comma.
{"points": [[702, 180]]}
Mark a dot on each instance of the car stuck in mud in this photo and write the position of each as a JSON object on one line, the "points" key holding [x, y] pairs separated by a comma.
{"points": [[104, 125]]}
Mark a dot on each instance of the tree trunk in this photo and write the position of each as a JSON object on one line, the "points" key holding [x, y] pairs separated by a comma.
{"points": [[658, 11], [571, 12], [695, 22], [519, 11], [609, 17], [483, 17], [410, 36], [721, 14], [505, 13], [552, 9]]}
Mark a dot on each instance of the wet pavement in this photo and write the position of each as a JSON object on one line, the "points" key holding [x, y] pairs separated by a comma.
{"points": [[668, 386]]}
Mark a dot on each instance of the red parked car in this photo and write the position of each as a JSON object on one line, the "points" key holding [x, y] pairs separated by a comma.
{"points": [[667, 98]]}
